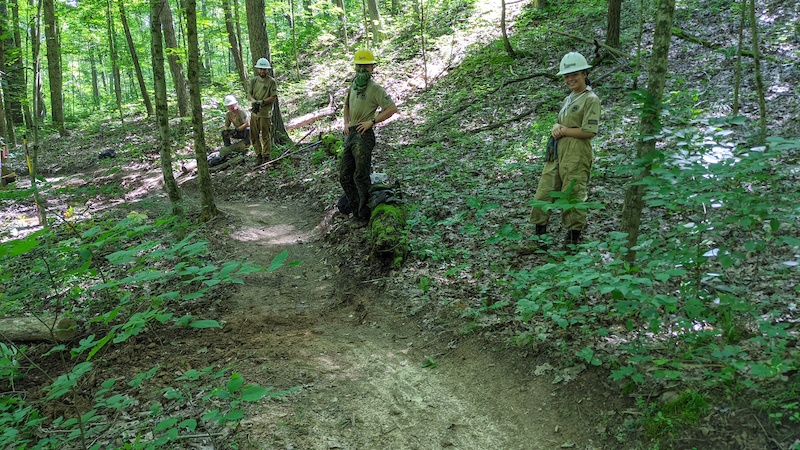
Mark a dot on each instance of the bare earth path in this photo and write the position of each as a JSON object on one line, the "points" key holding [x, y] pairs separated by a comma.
{"points": [[363, 369]]}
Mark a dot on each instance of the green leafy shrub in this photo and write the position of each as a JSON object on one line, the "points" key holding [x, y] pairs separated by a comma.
{"points": [[127, 277]]}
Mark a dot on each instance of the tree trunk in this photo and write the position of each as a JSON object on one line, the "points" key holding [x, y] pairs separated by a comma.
{"points": [[235, 44], [237, 21], [161, 111], [32, 156], [762, 105], [648, 122], [112, 48], [209, 209], [375, 24], [173, 52], [6, 42], [16, 94], [257, 30], [294, 40], [613, 23], [38, 329], [207, 68], [506, 43], [54, 67], [259, 48], [343, 15], [135, 59], [737, 70], [95, 79], [422, 29]]}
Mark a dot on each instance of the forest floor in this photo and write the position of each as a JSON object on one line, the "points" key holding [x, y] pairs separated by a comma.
{"points": [[371, 361]]}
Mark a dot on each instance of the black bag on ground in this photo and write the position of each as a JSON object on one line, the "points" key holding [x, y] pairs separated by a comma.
{"points": [[378, 193]]}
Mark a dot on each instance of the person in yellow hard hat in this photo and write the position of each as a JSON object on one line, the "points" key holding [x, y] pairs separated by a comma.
{"points": [[361, 104], [239, 119], [569, 158], [262, 91]]}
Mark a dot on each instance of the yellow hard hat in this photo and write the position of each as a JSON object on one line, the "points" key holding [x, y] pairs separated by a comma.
{"points": [[364, 57]]}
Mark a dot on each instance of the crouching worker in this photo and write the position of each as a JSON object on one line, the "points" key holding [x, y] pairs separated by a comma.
{"points": [[239, 119]]}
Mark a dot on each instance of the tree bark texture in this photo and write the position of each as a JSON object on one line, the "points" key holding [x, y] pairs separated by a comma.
{"points": [[634, 196], [135, 59], [33, 154], [112, 48], [173, 56], [613, 22], [15, 79], [161, 110], [257, 29], [343, 18], [7, 124], [762, 105], [235, 43], [375, 24], [209, 209], [737, 68], [506, 43], [95, 79], [54, 66]]}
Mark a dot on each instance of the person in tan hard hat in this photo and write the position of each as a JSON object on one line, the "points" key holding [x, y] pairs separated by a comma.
{"points": [[569, 158], [262, 91], [361, 114]]}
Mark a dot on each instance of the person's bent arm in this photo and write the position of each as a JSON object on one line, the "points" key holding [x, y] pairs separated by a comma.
{"points": [[269, 100], [389, 111], [560, 131], [386, 113]]}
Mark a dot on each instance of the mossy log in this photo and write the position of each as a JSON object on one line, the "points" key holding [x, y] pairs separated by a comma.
{"points": [[389, 236], [32, 329]]}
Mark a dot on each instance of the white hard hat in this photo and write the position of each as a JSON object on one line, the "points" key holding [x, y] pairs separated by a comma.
{"points": [[572, 62], [230, 100], [262, 63]]}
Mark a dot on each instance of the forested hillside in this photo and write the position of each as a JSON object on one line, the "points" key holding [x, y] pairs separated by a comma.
{"points": [[161, 290]]}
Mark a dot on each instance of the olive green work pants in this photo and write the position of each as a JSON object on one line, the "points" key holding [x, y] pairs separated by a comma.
{"points": [[355, 166], [261, 135], [572, 168]]}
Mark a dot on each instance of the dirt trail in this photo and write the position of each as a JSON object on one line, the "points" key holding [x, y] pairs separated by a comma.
{"points": [[358, 362]]}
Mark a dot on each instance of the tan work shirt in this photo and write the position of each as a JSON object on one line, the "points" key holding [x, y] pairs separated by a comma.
{"points": [[363, 107], [237, 117], [262, 89], [581, 111]]}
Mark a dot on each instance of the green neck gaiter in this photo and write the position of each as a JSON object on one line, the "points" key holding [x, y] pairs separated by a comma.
{"points": [[360, 81]]}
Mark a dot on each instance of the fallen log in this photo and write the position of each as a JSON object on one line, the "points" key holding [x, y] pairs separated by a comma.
{"points": [[310, 118], [38, 329], [313, 116]]}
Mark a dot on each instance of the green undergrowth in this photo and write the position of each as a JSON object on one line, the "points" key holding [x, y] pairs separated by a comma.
{"points": [[119, 279], [707, 307]]}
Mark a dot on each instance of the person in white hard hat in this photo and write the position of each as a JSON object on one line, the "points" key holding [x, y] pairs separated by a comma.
{"points": [[361, 104], [262, 91], [239, 119], [569, 160]]}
